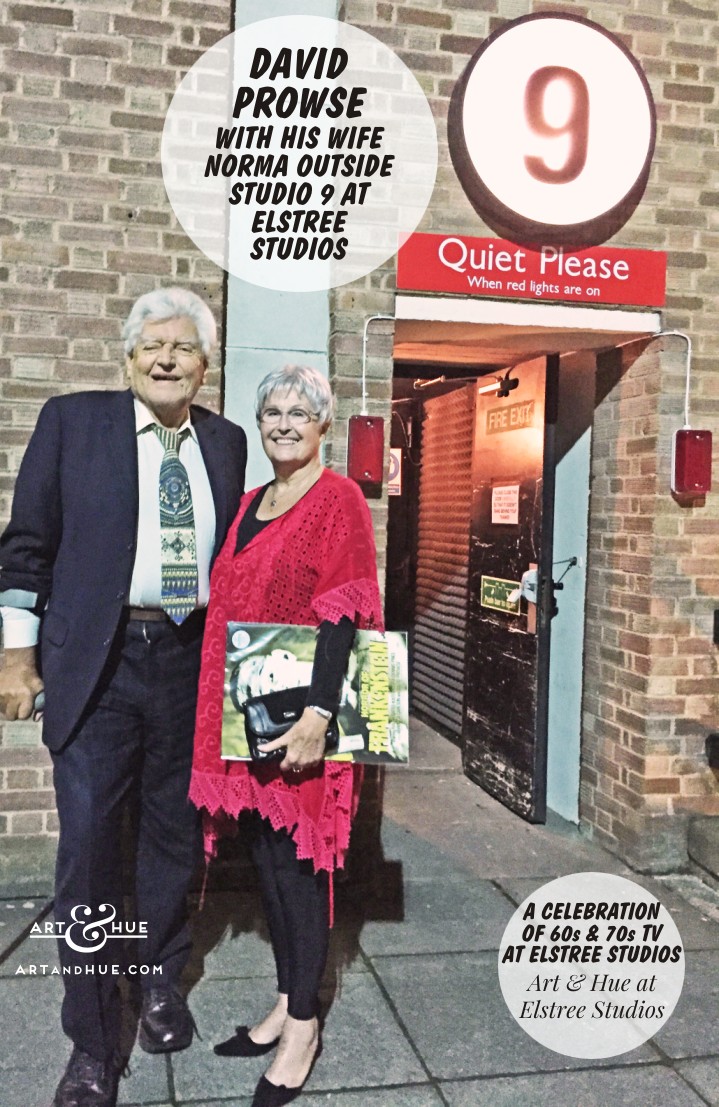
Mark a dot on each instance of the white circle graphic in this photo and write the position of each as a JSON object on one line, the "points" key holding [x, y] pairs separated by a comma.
{"points": [[591, 965], [241, 639], [298, 152]]}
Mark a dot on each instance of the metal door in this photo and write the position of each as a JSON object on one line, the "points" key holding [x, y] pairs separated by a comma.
{"points": [[445, 496], [505, 716]]}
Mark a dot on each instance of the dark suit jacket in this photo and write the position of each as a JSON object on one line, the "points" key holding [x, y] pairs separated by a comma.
{"points": [[73, 529]]}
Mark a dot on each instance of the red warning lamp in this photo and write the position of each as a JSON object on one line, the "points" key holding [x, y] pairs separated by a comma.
{"points": [[365, 452], [365, 434], [691, 449], [692, 462]]}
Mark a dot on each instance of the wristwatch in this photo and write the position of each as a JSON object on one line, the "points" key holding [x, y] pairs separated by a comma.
{"points": [[321, 711]]}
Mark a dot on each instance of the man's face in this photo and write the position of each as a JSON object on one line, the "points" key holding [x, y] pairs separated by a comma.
{"points": [[166, 368]]}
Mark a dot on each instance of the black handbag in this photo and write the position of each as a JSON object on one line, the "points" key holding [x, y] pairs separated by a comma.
{"points": [[270, 716]]}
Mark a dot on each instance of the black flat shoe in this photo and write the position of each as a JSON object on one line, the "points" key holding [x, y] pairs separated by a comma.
{"points": [[274, 1095], [242, 1045], [268, 1094]]}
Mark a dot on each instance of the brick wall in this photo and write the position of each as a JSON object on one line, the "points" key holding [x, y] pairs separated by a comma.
{"points": [[86, 228], [651, 677]]}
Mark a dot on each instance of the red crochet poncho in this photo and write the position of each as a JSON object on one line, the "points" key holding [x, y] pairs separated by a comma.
{"points": [[315, 562]]}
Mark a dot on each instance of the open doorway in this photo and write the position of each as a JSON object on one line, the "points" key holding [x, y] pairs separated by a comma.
{"points": [[487, 534]]}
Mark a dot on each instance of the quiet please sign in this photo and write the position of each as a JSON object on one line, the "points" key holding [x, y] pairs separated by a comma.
{"points": [[495, 267]]}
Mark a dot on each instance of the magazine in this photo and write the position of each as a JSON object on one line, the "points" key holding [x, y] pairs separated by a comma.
{"points": [[373, 715]]}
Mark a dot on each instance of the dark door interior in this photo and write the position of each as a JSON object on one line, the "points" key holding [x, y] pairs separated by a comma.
{"points": [[507, 660]]}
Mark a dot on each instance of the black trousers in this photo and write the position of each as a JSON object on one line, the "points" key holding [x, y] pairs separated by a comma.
{"points": [[296, 902], [136, 736]]}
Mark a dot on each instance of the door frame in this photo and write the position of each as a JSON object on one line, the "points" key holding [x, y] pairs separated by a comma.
{"points": [[563, 329]]}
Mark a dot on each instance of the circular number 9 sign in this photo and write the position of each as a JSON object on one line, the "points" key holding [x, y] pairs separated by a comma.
{"points": [[551, 131]]}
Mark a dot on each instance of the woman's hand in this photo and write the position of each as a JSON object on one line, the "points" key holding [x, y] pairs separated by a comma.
{"points": [[305, 742]]}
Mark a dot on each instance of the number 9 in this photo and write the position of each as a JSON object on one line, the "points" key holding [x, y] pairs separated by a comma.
{"points": [[576, 126]]}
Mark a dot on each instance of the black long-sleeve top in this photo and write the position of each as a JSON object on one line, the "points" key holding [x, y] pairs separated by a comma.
{"points": [[334, 640]]}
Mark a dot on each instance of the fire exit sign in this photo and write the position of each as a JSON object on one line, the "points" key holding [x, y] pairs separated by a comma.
{"points": [[510, 417]]}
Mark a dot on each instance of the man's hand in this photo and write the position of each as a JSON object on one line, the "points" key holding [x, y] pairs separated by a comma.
{"points": [[19, 683], [305, 742]]}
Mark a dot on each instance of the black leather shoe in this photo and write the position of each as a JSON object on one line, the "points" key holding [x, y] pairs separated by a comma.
{"points": [[87, 1082], [166, 1024], [242, 1045]]}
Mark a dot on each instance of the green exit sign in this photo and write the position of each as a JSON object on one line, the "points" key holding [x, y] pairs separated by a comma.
{"points": [[495, 592]]}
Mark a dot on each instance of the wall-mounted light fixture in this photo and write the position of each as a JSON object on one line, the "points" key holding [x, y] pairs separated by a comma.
{"points": [[502, 386], [492, 386], [691, 449], [365, 435]]}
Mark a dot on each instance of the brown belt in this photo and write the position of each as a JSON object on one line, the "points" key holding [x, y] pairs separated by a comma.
{"points": [[146, 614], [157, 615]]}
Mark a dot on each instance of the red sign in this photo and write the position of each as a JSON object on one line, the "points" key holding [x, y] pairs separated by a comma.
{"points": [[494, 268]]}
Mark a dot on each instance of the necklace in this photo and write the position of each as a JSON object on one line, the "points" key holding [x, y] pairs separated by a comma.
{"points": [[304, 487]]}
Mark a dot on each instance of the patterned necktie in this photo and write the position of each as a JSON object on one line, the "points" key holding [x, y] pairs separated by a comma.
{"points": [[177, 530]]}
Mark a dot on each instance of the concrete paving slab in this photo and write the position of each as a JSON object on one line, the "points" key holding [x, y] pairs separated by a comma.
{"points": [[703, 1076], [649, 1086], [481, 835], [230, 938], [703, 843], [385, 1097], [455, 1014], [693, 906], [428, 750], [469, 916], [16, 916], [35, 1050], [420, 860], [35, 950], [147, 1081], [218, 1007], [692, 1029], [362, 1041], [363, 1045]]}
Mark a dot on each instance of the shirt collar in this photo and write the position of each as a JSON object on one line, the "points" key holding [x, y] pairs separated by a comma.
{"points": [[145, 419]]}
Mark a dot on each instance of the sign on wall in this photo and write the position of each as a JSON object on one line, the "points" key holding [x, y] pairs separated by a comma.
{"points": [[551, 131], [495, 593], [505, 504], [497, 268], [510, 417], [394, 476]]}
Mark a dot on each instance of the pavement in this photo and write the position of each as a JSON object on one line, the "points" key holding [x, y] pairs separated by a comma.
{"points": [[416, 1016]]}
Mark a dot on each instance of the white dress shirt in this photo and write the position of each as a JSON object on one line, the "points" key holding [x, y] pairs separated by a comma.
{"points": [[21, 627]]}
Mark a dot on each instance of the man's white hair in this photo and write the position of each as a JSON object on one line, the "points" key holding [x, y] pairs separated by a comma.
{"points": [[168, 303]]}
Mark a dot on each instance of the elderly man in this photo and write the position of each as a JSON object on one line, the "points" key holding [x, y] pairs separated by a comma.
{"points": [[122, 501]]}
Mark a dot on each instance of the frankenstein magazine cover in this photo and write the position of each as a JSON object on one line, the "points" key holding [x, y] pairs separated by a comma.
{"points": [[373, 713], [320, 317]]}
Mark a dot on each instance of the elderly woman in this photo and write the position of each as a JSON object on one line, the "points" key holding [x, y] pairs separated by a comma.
{"points": [[301, 551]]}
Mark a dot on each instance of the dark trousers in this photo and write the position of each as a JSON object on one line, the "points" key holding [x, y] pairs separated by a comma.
{"points": [[296, 902], [136, 737]]}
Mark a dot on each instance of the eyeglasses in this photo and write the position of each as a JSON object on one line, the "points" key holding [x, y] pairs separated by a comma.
{"points": [[296, 416], [183, 351]]}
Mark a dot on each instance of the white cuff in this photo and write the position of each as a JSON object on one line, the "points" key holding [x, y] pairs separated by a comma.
{"points": [[21, 628]]}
